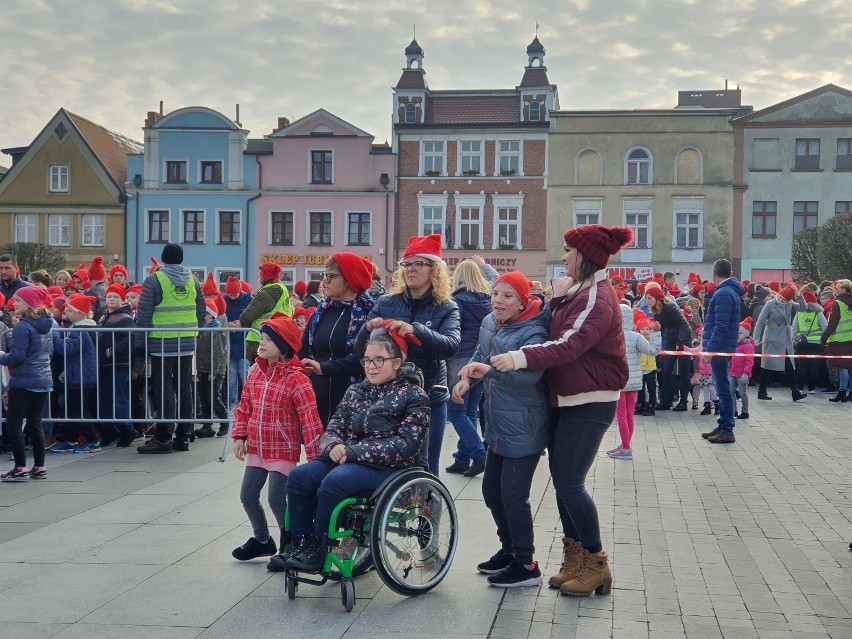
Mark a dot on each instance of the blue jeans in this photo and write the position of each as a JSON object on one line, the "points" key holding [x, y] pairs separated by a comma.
{"points": [[237, 370], [843, 375], [463, 417], [437, 423], [721, 367], [315, 488]]}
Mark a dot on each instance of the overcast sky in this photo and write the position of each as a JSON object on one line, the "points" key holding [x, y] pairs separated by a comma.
{"points": [[112, 60]]}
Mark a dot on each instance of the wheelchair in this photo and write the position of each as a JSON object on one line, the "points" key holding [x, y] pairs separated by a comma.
{"points": [[407, 529]]}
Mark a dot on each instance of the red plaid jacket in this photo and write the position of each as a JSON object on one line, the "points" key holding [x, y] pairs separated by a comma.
{"points": [[278, 412]]}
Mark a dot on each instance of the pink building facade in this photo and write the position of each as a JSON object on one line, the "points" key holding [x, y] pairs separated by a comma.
{"points": [[324, 188]]}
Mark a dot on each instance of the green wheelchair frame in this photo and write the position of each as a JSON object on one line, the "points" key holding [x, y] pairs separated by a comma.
{"points": [[411, 547]]}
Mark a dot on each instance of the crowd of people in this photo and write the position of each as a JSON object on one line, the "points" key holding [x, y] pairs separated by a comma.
{"points": [[365, 379]]}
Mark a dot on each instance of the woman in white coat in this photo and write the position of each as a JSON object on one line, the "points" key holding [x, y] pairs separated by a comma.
{"points": [[774, 333]]}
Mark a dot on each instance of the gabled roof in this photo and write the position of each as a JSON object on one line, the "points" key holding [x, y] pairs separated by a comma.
{"points": [[320, 114], [472, 109], [535, 77], [827, 88], [111, 148]]}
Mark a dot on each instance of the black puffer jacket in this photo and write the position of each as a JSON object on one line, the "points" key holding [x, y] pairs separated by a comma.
{"points": [[674, 327], [436, 325], [118, 342], [381, 425]]}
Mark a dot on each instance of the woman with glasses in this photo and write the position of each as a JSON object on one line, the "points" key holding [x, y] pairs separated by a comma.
{"points": [[328, 352], [421, 305]]}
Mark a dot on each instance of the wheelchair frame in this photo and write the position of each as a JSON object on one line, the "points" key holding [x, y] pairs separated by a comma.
{"points": [[413, 520]]}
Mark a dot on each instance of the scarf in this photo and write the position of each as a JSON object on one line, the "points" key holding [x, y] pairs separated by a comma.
{"points": [[360, 308]]}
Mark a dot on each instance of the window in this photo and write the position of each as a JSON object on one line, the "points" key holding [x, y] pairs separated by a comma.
{"points": [[470, 157], [281, 228], [321, 167], [193, 227], [26, 228], [587, 211], [535, 111], [229, 227], [842, 208], [763, 219], [433, 158], [844, 154], [640, 223], [198, 272], [470, 227], [320, 228], [59, 230], [222, 274], [93, 230], [509, 159], [158, 227], [359, 229], [508, 224], [807, 153], [175, 172], [688, 229], [638, 167], [211, 172], [432, 220], [805, 215], [582, 219], [58, 178], [410, 113]]}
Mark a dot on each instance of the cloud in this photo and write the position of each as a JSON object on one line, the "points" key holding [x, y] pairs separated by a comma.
{"points": [[113, 60]]}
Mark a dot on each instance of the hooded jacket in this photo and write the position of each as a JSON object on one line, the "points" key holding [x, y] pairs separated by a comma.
{"points": [[151, 297], [516, 414], [211, 356], [76, 345], [118, 342], [28, 358], [381, 425], [233, 310], [473, 308], [674, 328], [635, 346], [722, 320], [277, 411], [743, 365]]}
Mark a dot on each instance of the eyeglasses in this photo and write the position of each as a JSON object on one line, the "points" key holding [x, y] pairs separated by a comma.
{"points": [[376, 362], [414, 266], [329, 277]]}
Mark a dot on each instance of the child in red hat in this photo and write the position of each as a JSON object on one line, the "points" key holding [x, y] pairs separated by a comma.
{"points": [[277, 410]]}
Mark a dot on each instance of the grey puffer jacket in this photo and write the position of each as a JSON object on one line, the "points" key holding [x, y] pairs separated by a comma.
{"points": [[774, 330], [636, 346], [516, 405], [436, 325]]}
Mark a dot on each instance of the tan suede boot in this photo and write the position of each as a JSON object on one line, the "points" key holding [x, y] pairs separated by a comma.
{"points": [[594, 576], [571, 560]]}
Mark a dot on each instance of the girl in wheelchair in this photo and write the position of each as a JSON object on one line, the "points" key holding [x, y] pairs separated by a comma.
{"points": [[378, 428]]}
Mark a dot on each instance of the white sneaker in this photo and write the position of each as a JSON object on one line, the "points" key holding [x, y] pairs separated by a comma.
{"points": [[617, 449], [624, 453]]}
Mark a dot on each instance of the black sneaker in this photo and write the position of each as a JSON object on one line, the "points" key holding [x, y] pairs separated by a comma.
{"points": [[501, 560], [516, 575], [180, 445], [309, 557], [458, 467], [742, 415], [205, 431], [477, 467], [253, 548]]}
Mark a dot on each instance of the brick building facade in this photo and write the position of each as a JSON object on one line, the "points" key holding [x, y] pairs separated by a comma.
{"points": [[472, 165]]}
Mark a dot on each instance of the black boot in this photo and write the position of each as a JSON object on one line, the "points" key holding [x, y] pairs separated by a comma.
{"points": [[840, 397], [309, 557], [762, 394], [799, 395], [277, 563], [681, 407], [716, 407], [707, 409]]}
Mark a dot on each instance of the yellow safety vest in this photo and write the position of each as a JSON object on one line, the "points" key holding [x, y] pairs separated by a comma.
{"points": [[843, 333], [177, 310], [283, 305], [807, 321]]}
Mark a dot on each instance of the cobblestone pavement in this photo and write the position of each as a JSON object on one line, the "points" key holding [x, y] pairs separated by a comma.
{"points": [[734, 541]]}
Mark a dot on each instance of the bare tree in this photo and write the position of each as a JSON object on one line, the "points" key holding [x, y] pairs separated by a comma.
{"points": [[31, 257]]}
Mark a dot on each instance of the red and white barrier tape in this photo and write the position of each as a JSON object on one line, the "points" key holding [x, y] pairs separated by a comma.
{"points": [[761, 355]]}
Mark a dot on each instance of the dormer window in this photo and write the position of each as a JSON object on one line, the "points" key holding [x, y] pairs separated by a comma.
{"points": [[535, 111], [176, 172], [58, 178], [321, 167], [410, 113], [211, 172]]}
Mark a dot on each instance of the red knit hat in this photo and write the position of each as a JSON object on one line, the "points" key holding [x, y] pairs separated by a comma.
{"points": [[96, 271], [220, 303], [644, 322], [232, 286], [118, 289], [209, 287], [284, 332], [136, 288], [774, 286], [10, 305], [788, 292], [598, 242], [699, 328], [427, 247], [810, 298], [710, 287], [33, 296], [520, 285], [746, 325], [81, 303], [300, 288], [154, 266], [246, 287], [357, 271], [745, 284], [117, 268], [655, 290], [694, 278], [641, 287], [55, 291], [695, 290], [270, 271], [402, 342]]}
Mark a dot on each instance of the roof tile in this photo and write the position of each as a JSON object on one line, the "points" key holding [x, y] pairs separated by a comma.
{"points": [[111, 148], [472, 109]]}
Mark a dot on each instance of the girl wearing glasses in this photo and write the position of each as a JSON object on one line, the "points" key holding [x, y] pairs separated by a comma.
{"points": [[377, 429], [420, 304], [329, 338]]}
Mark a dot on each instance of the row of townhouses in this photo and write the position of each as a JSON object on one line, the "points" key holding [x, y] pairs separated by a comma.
{"points": [[497, 172]]}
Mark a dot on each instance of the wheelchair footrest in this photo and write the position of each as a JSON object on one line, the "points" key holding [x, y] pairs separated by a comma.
{"points": [[292, 574]]}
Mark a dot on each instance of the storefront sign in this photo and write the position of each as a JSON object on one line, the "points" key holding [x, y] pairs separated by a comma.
{"points": [[640, 273], [530, 263], [288, 258]]}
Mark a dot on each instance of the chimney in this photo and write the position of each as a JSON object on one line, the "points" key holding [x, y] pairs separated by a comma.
{"points": [[283, 123], [161, 108], [238, 116], [152, 118]]}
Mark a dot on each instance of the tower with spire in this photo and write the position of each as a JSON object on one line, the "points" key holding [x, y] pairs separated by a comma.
{"points": [[409, 94], [538, 96]]}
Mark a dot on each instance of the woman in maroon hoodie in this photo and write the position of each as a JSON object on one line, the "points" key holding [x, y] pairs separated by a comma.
{"points": [[586, 370]]}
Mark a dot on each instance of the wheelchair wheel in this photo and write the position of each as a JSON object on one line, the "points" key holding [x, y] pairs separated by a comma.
{"points": [[347, 594], [414, 532], [292, 586]]}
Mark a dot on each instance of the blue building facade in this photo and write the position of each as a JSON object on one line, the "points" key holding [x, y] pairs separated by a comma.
{"points": [[193, 185]]}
